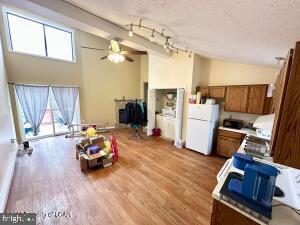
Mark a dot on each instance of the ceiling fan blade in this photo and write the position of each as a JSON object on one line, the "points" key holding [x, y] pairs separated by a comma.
{"points": [[128, 58], [98, 49], [133, 53], [115, 47], [104, 57]]}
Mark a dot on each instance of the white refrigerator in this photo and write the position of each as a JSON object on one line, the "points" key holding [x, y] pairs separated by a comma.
{"points": [[201, 126]]}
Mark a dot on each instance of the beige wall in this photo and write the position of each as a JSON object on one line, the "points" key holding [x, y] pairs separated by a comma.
{"points": [[99, 81], [104, 81], [7, 131], [219, 72], [182, 71]]}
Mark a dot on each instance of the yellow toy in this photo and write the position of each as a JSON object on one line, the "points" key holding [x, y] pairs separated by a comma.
{"points": [[91, 132]]}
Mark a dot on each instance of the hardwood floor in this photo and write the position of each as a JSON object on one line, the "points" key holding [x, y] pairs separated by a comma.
{"points": [[153, 183]]}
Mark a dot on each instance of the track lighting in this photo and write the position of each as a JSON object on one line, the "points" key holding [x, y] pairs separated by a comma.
{"points": [[130, 32], [167, 45], [152, 36]]}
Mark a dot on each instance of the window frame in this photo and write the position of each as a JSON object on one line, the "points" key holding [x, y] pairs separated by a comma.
{"points": [[44, 23]]}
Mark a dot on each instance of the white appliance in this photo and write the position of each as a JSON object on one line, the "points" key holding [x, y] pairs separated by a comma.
{"points": [[264, 125], [201, 126]]}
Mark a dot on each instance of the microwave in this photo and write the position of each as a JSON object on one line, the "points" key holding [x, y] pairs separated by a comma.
{"points": [[233, 123]]}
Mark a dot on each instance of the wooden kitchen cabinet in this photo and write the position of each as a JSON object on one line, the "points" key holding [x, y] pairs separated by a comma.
{"points": [[256, 100], [228, 142], [204, 91], [217, 92], [236, 98], [224, 215], [285, 138]]}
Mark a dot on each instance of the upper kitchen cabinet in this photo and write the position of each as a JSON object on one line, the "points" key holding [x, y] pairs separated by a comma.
{"points": [[256, 100], [236, 98], [204, 91], [217, 92]]}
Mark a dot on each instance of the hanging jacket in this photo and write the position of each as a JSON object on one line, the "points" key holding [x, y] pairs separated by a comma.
{"points": [[134, 113]]}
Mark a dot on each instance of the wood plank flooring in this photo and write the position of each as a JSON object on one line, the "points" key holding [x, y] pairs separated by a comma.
{"points": [[153, 183]]}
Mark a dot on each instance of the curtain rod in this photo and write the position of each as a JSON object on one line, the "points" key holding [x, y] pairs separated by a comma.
{"points": [[45, 85]]}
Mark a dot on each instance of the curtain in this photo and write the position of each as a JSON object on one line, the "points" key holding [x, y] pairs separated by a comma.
{"points": [[65, 98], [33, 100]]}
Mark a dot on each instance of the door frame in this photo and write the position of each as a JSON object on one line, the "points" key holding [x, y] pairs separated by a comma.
{"points": [[179, 113]]}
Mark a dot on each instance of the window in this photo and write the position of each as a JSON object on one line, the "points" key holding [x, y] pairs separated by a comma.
{"points": [[26, 35], [52, 123]]}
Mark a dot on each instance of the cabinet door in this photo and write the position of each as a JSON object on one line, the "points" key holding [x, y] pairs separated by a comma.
{"points": [[217, 92], [227, 146], [236, 99], [159, 123], [224, 215], [169, 128], [256, 101], [204, 91]]}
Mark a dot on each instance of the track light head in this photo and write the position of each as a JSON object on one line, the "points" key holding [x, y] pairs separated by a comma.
{"points": [[130, 32], [152, 36], [166, 44]]}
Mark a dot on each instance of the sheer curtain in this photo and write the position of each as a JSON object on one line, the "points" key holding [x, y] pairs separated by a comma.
{"points": [[66, 98], [33, 100]]}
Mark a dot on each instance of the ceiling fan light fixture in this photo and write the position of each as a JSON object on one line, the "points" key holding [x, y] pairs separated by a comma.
{"points": [[116, 58], [130, 32]]}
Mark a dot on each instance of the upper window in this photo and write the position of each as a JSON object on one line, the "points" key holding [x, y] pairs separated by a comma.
{"points": [[37, 38]]}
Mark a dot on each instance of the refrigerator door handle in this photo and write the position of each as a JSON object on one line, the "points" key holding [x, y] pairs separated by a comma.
{"points": [[199, 119]]}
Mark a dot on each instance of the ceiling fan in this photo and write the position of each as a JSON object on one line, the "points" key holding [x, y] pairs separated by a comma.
{"points": [[115, 52]]}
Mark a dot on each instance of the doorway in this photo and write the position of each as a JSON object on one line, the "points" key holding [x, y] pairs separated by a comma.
{"points": [[176, 123]]}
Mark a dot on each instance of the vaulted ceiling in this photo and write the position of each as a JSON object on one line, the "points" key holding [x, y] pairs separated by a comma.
{"points": [[252, 31]]}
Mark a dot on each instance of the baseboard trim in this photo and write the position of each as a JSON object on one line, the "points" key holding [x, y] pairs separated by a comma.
{"points": [[5, 187]]}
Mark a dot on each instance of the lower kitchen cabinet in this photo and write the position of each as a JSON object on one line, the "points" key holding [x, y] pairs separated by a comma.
{"points": [[224, 215], [166, 125], [228, 142]]}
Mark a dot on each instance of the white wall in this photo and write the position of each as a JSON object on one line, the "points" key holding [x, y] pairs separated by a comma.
{"points": [[174, 72], [144, 73], [7, 131]]}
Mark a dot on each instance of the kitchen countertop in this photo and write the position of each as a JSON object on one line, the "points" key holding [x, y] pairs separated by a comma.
{"points": [[280, 215], [242, 131]]}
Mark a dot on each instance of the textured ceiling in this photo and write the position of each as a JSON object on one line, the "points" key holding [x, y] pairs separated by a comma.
{"points": [[249, 31]]}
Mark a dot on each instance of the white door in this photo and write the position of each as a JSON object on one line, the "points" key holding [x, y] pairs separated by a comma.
{"points": [[151, 111], [199, 136]]}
